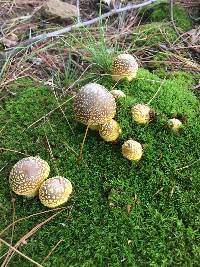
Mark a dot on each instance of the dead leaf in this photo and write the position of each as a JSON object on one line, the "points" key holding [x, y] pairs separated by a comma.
{"points": [[57, 8], [9, 40], [129, 208], [129, 242]]}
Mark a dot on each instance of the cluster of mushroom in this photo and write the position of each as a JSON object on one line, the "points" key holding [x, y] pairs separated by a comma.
{"points": [[28, 177], [95, 107]]}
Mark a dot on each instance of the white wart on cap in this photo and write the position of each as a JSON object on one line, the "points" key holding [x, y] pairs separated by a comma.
{"points": [[27, 175], [124, 66], [55, 191], [94, 105]]}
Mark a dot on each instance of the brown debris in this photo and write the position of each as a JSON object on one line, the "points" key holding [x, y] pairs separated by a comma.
{"points": [[9, 40]]}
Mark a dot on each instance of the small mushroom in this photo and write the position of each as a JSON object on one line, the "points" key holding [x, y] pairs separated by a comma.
{"points": [[117, 93], [142, 113], [124, 66], [132, 150], [27, 175], [94, 105], [174, 124], [55, 191], [110, 130]]}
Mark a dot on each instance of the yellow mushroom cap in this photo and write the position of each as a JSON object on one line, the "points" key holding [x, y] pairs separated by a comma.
{"points": [[174, 124], [27, 175], [55, 191], [132, 150], [110, 131], [117, 93], [124, 66], [94, 105], [141, 113]]}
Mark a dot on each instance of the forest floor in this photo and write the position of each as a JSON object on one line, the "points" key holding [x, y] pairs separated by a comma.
{"points": [[121, 213]]}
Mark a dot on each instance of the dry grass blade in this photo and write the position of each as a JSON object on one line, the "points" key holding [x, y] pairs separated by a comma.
{"points": [[188, 166], [3, 167], [51, 154], [15, 151], [20, 253], [13, 218], [156, 92], [30, 216], [83, 142], [48, 114], [52, 250], [63, 112], [25, 237]]}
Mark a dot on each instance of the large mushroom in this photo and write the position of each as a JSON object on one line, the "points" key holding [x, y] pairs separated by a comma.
{"points": [[27, 175], [124, 66], [55, 191], [94, 105]]}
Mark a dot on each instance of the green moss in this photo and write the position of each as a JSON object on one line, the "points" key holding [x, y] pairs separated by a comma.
{"points": [[153, 34], [162, 227], [160, 13]]}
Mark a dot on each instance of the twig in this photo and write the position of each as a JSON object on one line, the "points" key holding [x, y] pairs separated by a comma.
{"points": [[24, 238], [52, 250], [22, 254], [44, 36]]}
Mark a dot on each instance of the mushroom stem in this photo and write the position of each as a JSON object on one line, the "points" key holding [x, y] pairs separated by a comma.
{"points": [[32, 195]]}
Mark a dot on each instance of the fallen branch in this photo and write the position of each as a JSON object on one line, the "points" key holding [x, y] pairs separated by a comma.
{"points": [[45, 36]]}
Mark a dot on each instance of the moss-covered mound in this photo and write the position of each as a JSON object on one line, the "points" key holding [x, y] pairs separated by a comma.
{"points": [[153, 34], [161, 12], [121, 213]]}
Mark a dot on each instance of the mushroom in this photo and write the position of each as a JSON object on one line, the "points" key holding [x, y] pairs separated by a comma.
{"points": [[142, 113], [27, 175], [124, 66], [55, 191], [117, 93], [132, 150], [94, 105], [94, 127], [110, 131], [174, 124]]}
